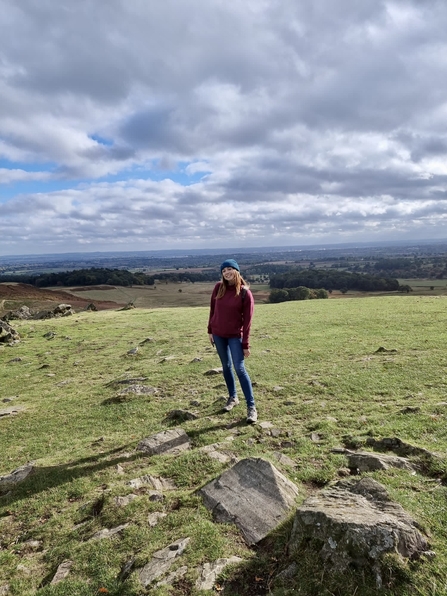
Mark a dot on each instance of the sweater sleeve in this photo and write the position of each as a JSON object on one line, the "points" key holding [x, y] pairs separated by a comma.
{"points": [[247, 317], [212, 306]]}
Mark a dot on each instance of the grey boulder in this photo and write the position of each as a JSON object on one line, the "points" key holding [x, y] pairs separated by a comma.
{"points": [[252, 494]]}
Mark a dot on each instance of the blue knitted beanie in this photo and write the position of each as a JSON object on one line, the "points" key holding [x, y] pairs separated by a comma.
{"points": [[229, 263]]}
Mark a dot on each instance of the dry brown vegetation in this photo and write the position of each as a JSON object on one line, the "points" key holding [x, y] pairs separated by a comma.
{"points": [[14, 295]]}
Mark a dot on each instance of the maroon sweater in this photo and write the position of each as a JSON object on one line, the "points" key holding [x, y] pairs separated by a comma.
{"points": [[230, 316]]}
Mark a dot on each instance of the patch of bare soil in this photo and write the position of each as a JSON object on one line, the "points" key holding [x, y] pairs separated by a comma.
{"points": [[44, 298]]}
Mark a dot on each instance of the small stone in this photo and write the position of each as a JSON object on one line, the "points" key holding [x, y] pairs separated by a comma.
{"points": [[154, 518], [124, 501], [410, 410], [32, 544], [213, 371], [126, 569], [167, 359], [139, 390], [181, 415], [286, 444], [156, 482], [24, 569], [108, 533], [429, 554], [209, 572], [283, 459], [168, 441], [62, 572], [344, 472]]}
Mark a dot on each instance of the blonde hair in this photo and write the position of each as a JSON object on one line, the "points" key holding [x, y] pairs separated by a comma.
{"points": [[239, 283]]}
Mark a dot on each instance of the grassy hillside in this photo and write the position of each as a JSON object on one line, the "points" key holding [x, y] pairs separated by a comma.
{"points": [[316, 371]]}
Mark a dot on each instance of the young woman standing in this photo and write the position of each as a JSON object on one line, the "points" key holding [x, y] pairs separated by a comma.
{"points": [[229, 325]]}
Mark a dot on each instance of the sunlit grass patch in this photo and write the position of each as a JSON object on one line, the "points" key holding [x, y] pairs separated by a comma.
{"points": [[320, 378]]}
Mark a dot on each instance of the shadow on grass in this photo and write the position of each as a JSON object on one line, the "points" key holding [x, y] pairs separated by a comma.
{"points": [[195, 434], [44, 478]]}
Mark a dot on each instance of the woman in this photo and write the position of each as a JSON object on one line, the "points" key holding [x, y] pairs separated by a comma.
{"points": [[229, 325]]}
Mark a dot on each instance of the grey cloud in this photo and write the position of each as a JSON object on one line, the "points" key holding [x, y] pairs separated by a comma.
{"points": [[155, 129], [317, 116]]}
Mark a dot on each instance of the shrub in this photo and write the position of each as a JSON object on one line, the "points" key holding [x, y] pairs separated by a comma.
{"points": [[279, 296]]}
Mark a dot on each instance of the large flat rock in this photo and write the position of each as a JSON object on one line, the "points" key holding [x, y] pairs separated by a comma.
{"points": [[252, 494]]}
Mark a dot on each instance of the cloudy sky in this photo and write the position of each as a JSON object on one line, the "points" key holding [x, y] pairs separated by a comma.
{"points": [[140, 124]]}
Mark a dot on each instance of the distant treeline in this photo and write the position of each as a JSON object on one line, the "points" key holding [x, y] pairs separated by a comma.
{"points": [[333, 279], [112, 277], [434, 267], [300, 293]]}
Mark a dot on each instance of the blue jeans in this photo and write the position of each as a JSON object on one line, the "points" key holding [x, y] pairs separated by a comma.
{"points": [[230, 352]]}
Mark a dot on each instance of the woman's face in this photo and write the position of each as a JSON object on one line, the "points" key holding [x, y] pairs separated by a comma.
{"points": [[229, 274]]}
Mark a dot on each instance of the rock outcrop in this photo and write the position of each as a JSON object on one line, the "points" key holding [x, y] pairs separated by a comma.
{"points": [[7, 333], [356, 522], [254, 495]]}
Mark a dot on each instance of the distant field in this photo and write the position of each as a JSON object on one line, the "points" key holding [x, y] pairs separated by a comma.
{"points": [[161, 295], [169, 295], [423, 287]]}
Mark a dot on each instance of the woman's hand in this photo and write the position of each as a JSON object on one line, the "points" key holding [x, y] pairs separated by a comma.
{"points": [[210, 335], [246, 352]]}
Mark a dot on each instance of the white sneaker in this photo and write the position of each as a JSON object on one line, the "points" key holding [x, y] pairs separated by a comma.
{"points": [[231, 402], [252, 415]]}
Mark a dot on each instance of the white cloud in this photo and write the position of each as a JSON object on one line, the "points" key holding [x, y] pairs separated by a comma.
{"points": [[9, 175], [311, 121]]}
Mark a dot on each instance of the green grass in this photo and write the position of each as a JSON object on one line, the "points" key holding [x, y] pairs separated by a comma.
{"points": [[315, 367]]}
